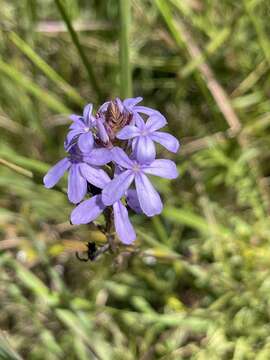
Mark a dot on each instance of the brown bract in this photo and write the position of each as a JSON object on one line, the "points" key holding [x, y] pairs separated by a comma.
{"points": [[115, 119]]}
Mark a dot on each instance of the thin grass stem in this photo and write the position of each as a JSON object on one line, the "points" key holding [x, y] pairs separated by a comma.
{"points": [[75, 39], [46, 69], [124, 39], [52, 101]]}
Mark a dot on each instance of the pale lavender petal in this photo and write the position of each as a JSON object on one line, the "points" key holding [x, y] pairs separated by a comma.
{"points": [[87, 111], [77, 185], [144, 149], [86, 142], [163, 168], [129, 103], [119, 104], [133, 201], [145, 110], [117, 171], [155, 122], [99, 157], [56, 172], [133, 146], [148, 197], [102, 133], [94, 176], [104, 107], [87, 211], [123, 226], [78, 125], [92, 121], [166, 140], [139, 121], [116, 188], [121, 158], [76, 118], [128, 132], [71, 135]]}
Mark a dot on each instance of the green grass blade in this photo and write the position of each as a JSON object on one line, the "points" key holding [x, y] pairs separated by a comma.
{"points": [[166, 13], [125, 67], [6, 352], [263, 38], [50, 100], [28, 164], [75, 39], [16, 168], [192, 220], [46, 69]]}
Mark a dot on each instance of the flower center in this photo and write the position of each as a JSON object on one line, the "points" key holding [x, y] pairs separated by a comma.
{"points": [[136, 167], [144, 133], [86, 129]]}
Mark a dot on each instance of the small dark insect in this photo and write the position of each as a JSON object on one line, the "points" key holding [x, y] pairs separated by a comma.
{"points": [[91, 252]]}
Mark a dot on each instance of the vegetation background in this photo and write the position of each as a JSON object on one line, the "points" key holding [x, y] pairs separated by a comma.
{"points": [[198, 286]]}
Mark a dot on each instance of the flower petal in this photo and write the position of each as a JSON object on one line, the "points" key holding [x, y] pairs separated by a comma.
{"points": [[139, 121], [155, 122], [144, 149], [167, 140], [102, 133], [71, 136], [148, 197], [129, 103], [121, 158], [133, 201], [94, 176], [77, 185], [163, 168], [116, 188], [86, 142], [119, 104], [78, 125], [123, 226], [104, 106], [145, 110], [128, 132], [87, 111], [76, 118], [87, 211], [98, 157], [56, 172]]}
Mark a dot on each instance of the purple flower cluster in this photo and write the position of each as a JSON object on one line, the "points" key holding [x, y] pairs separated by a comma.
{"points": [[122, 136]]}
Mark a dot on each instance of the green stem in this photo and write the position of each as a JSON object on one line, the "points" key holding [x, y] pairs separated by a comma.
{"points": [[125, 68], [80, 50]]}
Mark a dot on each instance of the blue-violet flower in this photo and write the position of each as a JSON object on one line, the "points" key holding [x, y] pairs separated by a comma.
{"points": [[148, 197], [82, 169], [90, 209], [81, 130]]}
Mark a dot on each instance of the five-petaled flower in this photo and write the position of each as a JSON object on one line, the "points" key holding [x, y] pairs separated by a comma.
{"points": [[81, 130], [82, 169], [144, 135], [148, 197]]}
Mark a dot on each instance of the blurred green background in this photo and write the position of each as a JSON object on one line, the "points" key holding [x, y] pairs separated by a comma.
{"points": [[198, 284]]}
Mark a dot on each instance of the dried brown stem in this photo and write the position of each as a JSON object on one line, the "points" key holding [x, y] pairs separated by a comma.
{"points": [[224, 104]]}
